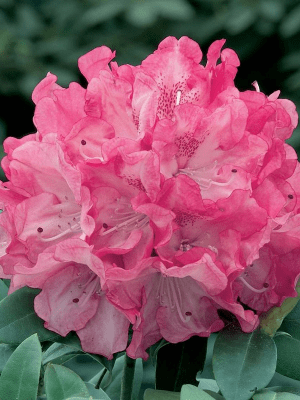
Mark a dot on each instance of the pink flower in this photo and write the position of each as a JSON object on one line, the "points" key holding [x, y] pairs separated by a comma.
{"points": [[72, 299], [159, 196]]}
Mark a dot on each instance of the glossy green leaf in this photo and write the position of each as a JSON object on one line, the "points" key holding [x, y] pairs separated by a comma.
{"points": [[208, 384], [288, 356], [138, 379], [18, 319], [243, 362], [275, 396], [20, 377], [6, 351], [61, 383], [59, 353], [79, 398], [281, 389], [3, 290], [151, 394], [112, 381], [73, 342], [190, 392], [291, 323], [178, 364], [214, 395], [96, 393]]}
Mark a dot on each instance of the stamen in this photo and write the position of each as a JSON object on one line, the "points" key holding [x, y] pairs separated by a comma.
{"points": [[198, 175], [252, 288], [138, 221], [290, 196], [64, 218], [255, 84], [178, 96], [94, 288], [59, 235], [178, 307], [169, 287]]}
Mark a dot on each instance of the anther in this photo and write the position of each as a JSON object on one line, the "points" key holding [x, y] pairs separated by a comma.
{"points": [[105, 226], [83, 142], [266, 285], [234, 170], [290, 196], [40, 230], [188, 313], [75, 300]]}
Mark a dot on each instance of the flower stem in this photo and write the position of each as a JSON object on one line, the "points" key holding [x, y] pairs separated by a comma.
{"points": [[127, 378]]}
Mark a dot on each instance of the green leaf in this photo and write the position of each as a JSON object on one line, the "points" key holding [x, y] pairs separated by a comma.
{"points": [[291, 323], [6, 351], [73, 342], [190, 392], [214, 395], [275, 396], [243, 362], [208, 384], [18, 319], [151, 394], [105, 11], [280, 389], [291, 23], [96, 393], [79, 398], [138, 379], [61, 383], [112, 381], [59, 353], [20, 377], [3, 289], [288, 356], [178, 364]]}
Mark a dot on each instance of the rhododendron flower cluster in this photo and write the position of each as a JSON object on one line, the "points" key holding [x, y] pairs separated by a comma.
{"points": [[157, 196]]}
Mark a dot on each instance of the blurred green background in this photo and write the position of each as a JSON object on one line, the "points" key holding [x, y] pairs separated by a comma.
{"points": [[37, 36]]}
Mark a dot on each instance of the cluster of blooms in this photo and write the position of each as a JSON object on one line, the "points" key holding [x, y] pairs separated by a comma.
{"points": [[157, 196]]}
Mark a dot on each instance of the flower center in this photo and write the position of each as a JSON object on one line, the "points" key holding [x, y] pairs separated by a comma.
{"points": [[169, 295], [68, 225], [207, 176], [185, 246], [125, 219], [91, 286]]}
